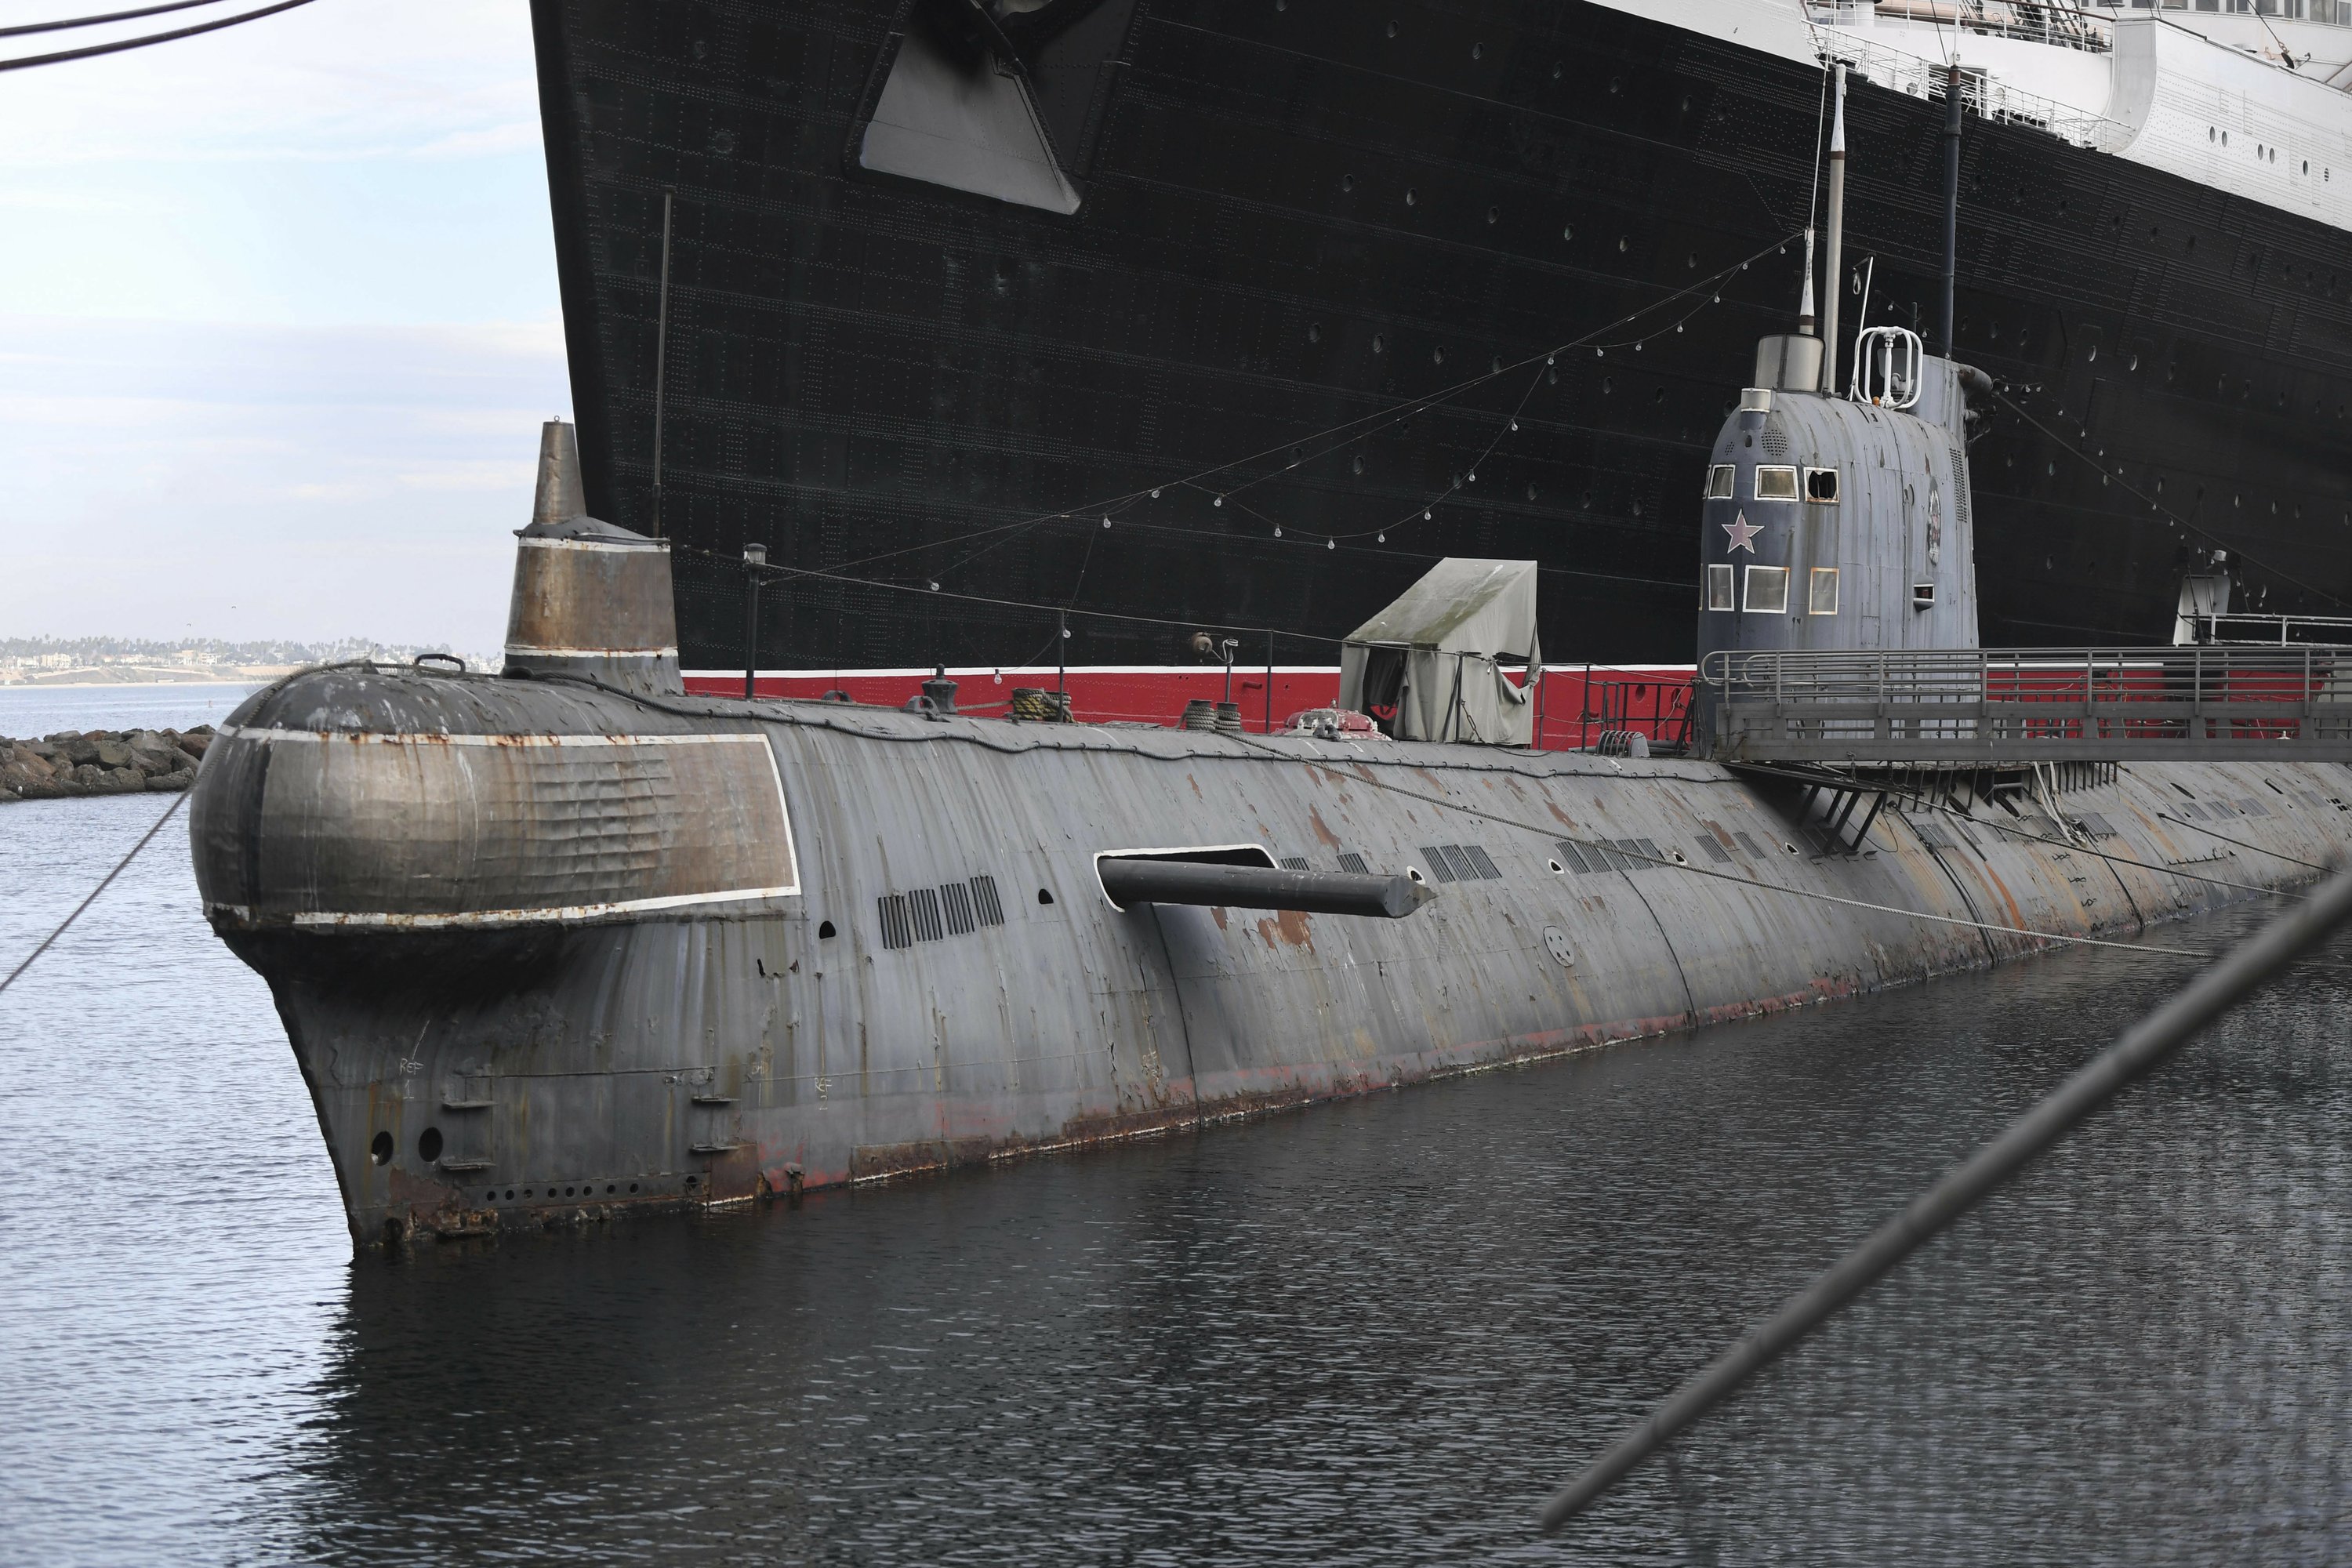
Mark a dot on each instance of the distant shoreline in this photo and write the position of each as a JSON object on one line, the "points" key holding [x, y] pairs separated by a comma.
{"points": [[11, 687]]}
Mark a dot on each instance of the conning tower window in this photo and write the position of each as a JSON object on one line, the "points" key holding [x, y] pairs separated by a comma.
{"points": [[1923, 596], [1719, 481], [1775, 482], [1821, 485], [1768, 588], [1824, 592], [1718, 588]]}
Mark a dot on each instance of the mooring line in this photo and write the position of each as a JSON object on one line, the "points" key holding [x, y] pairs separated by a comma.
{"points": [[1999, 826], [1684, 865], [177, 801], [2225, 838]]}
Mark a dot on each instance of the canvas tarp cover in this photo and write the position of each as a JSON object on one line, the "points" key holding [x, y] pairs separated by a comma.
{"points": [[1429, 668]]}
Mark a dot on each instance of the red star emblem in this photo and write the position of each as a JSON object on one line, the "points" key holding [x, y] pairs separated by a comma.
{"points": [[1743, 533]]}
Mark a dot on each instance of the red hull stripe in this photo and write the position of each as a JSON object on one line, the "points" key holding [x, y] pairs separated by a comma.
{"points": [[1651, 699]]}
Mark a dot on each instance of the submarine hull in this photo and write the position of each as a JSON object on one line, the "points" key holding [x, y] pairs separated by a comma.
{"points": [[546, 951]]}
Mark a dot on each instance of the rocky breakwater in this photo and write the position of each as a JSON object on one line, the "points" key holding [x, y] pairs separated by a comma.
{"points": [[101, 761]]}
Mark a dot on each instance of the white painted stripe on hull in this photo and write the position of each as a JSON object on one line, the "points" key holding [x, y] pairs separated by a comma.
{"points": [[570, 914]]}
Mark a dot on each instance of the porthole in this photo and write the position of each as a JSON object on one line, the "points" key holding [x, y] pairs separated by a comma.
{"points": [[1557, 868], [1607, 387], [2092, 356], [1347, 182], [1615, 84], [823, 930], [1554, 72], [1414, 872], [1358, 465], [509, 1194], [1437, 355], [1392, 30], [1314, 332], [1045, 897], [380, 1150], [1477, 51], [428, 1144], [1379, 343], [1623, 242], [633, 1186], [1568, 232], [1412, 196], [1494, 214]]}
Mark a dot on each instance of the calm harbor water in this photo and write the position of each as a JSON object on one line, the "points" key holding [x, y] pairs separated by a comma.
{"points": [[1374, 1332], [30, 711]]}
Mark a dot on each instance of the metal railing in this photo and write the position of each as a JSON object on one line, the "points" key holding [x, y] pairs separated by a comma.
{"points": [[2268, 631], [1987, 97], [2031, 704]]}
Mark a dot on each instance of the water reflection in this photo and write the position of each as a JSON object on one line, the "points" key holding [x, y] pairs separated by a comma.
{"points": [[1379, 1332], [1374, 1332]]}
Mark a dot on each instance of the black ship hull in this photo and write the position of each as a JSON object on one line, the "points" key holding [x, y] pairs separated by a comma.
{"points": [[1300, 214]]}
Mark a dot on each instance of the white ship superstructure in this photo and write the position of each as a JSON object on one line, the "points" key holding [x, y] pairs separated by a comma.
{"points": [[2247, 104]]}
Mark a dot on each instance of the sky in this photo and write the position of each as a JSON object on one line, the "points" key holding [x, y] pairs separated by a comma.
{"points": [[278, 325]]}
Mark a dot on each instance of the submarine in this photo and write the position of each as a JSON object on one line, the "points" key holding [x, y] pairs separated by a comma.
{"points": [[564, 943]]}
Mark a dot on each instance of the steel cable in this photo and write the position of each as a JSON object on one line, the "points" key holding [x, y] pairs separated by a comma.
{"points": [[90, 52], [104, 882]]}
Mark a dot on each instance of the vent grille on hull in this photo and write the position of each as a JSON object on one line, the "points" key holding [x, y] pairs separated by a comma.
{"points": [[1460, 863], [933, 914]]}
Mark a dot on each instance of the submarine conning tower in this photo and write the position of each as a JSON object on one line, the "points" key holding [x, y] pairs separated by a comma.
{"points": [[1839, 520], [590, 598]]}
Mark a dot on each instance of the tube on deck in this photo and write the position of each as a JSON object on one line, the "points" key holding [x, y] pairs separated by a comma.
{"points": [[1131, 882]]}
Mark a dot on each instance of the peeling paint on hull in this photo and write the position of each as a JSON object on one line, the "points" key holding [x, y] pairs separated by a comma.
{"points": [[524, 1073]]}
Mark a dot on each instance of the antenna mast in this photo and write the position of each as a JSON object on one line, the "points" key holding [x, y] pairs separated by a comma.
{"points": [[661, 355]]}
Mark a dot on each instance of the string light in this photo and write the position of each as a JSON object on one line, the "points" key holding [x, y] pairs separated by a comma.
{"points": [[1400, 415]]}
